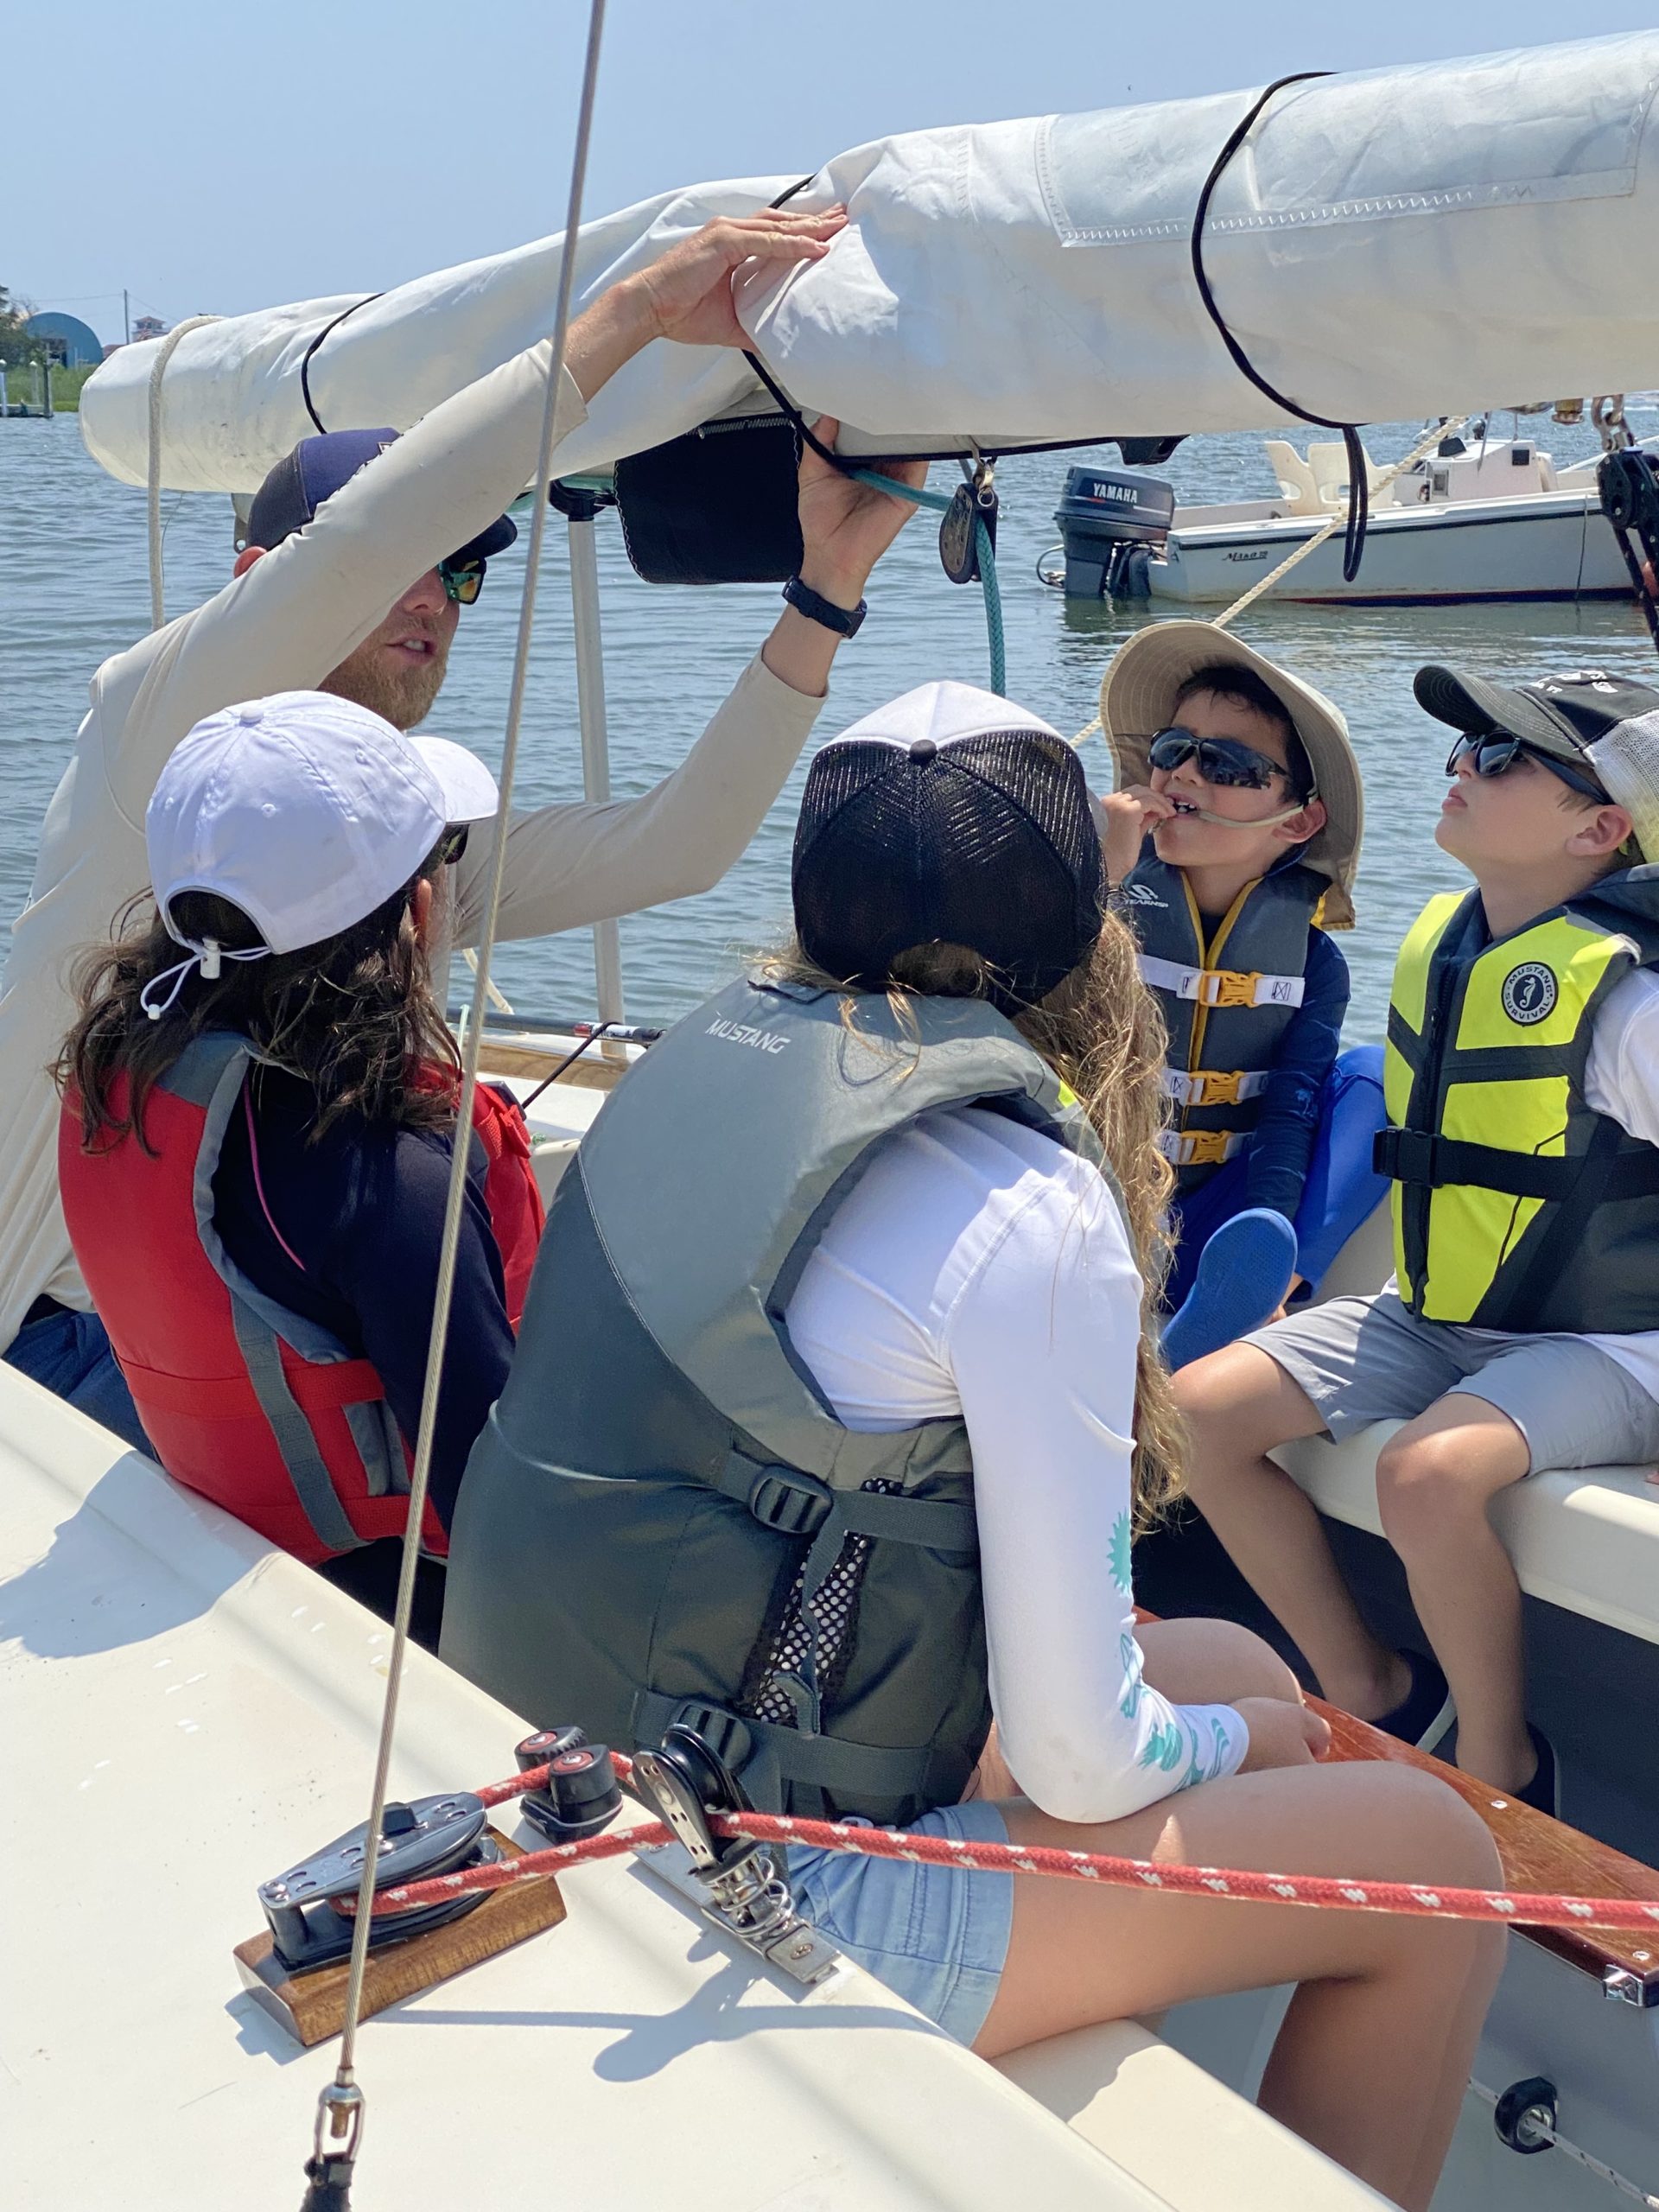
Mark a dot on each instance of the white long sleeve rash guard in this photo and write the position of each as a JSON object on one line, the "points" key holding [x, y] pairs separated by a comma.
{"points": [[978, 1267]]}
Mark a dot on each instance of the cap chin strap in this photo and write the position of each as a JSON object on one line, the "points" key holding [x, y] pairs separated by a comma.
{"points": [[207, 956]]}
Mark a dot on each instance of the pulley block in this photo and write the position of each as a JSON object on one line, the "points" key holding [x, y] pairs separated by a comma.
{"points": [[430, 1836]]}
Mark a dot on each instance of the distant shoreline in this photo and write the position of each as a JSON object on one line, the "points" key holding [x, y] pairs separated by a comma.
{"points": [[21, 386]]}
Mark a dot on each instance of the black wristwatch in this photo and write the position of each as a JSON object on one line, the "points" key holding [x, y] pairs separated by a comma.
{"points": [[844, 621]]}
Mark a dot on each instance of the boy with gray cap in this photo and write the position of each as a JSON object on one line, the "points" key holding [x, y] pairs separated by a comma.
{"points": [[1522, 1330]]}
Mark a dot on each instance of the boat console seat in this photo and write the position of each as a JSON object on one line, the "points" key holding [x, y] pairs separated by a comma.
{"points": [[1327, 459], [1296, 481]]}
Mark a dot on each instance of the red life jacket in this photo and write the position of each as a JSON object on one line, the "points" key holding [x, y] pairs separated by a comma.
{"points": [[252, 1405]]}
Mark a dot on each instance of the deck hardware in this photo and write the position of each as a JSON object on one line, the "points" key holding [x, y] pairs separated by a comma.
{"points": [[1625, 1987], [738, 1885], [581, 1793], [431, 1835], [1525, 2115]]}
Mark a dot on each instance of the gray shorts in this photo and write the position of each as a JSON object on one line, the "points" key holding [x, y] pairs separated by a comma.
{"points": [[1365, 1359]]}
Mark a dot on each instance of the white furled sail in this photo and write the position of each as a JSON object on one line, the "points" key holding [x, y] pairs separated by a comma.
{"points": [[1400, 242]]}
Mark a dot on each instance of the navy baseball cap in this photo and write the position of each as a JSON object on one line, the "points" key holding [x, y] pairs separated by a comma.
{"points": [[316, 470]]}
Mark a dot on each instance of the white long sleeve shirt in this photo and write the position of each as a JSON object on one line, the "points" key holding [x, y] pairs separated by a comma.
{"points": [[283, 626], [978, 1267]]}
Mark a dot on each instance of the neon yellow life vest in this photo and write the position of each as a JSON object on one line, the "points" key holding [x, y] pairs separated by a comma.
{"points": [[1515, 1206]]}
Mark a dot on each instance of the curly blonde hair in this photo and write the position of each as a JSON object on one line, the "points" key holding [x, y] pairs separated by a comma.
{"points": [[1101, 1033]]}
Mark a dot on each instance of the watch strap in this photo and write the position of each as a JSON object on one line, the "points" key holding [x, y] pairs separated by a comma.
{"points": [[844, 621]]}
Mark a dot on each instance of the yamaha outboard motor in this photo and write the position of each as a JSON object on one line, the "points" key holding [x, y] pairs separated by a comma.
{"points": [[1108, 518]]}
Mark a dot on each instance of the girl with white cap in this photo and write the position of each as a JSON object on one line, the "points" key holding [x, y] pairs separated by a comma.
{"points": [[259, 1111], [878, 1415]]}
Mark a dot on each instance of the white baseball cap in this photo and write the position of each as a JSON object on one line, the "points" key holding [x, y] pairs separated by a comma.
{"points": [[306, 811]]}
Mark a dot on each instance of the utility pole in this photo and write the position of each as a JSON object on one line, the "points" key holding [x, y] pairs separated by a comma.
{"points": [[126, 313]]}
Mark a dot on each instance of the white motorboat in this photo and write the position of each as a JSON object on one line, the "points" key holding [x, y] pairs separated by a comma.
{"points": [[1489, 519]]}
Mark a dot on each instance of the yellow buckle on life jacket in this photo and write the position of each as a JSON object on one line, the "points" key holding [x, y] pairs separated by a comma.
{"points": [[1215, 1089], [1231, 987], [1204, 1147]]}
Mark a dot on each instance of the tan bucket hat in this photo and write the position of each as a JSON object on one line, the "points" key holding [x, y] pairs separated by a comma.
{"points": [[1137, 699]]}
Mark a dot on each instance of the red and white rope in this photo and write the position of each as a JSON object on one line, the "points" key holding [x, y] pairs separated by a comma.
{"points": [[1418, 1900]]}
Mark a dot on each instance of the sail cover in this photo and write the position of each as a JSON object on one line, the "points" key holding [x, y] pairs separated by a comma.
{"points": [[1400, 242]]}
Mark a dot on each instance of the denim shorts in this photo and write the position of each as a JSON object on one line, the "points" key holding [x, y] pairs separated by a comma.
{"points": [[937, 1937]]}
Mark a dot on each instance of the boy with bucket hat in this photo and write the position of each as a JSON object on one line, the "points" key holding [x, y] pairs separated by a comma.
{"points": [[1231, 842], [1522, 1330]]}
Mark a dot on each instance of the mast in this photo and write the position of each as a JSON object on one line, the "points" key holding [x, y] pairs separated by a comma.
{"points": [[580, 509]]}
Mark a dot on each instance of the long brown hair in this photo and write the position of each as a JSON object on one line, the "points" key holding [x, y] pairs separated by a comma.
{"points": [[355, 1017], [1101, 1031]]}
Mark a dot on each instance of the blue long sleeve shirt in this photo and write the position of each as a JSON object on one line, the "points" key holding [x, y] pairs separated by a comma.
{"points": [[1282, 1143]]}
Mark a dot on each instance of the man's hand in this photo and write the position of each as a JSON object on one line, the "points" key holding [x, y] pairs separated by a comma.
{"points": [[1282, 1734], [846, 527], [1128, 814], [689, 291], [687, 295]]}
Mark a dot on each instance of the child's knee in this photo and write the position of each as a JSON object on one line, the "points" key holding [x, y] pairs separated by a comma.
{"points": [[1424, 1491]]}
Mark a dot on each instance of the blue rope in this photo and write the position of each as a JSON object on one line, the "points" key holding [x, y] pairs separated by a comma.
{"points": [[940, 502]]}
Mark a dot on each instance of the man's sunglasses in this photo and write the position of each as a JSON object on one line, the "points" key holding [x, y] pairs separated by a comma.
{"points": [[1225, 760], [1491, 755], [462, 580], [452, 843]]}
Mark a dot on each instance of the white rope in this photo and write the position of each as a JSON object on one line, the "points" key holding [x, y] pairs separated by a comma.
{"points": [[157, 371], [1426, 444], [341, 2104], [500, 1003]]}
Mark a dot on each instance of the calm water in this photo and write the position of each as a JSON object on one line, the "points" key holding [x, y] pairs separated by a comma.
{"points": [[74, 588]]}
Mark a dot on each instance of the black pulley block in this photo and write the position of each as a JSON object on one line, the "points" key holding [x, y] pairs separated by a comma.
{"points": [[428, 1836], [959, 534]]}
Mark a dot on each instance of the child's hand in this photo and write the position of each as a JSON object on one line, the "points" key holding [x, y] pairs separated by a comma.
{"points": [[1125, 818], [1282, 1734]]}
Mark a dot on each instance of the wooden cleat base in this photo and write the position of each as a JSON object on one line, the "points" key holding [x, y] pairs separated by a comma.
{"points": [[311, 2006]]}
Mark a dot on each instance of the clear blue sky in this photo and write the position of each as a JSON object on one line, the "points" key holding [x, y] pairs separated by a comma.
{"points": [[219, 157]]}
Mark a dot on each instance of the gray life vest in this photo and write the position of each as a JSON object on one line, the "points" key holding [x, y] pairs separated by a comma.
{"points": [[1224, 1022], [663, 1519]]}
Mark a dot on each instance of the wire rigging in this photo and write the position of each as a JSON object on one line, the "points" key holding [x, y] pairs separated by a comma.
{"points": [[340, 2111]]}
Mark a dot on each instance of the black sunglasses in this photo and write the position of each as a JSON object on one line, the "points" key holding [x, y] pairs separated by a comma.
{"points": [[1491, 754], [462, 580], [1224, 760], [452, 843]]}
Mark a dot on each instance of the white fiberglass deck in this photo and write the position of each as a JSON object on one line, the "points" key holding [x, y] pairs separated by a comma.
{"points": [[187, 1712]]}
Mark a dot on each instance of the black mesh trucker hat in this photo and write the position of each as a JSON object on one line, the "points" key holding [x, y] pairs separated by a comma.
{"points": [[948, 817]]}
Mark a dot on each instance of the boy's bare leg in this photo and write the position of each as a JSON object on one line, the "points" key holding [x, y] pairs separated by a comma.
{"points": [[1238, 1405], [1435, 1480]]}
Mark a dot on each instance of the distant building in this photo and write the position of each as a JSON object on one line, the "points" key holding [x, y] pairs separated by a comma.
{"points": [[67, 339], [148, 326]]}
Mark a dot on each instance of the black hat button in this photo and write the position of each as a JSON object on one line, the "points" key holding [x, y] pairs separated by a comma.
{"points": [[923, 748]]}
